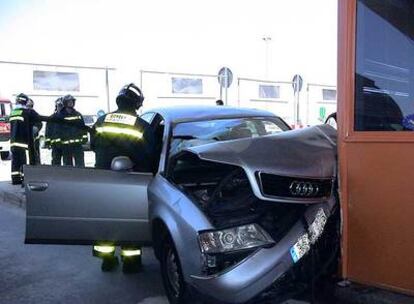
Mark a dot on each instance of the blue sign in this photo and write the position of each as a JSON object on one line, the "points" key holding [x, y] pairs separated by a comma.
{"points": [[297, 83], [225, 77]]}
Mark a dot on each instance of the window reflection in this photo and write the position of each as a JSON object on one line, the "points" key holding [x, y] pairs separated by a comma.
{"points": [[384, 66]]}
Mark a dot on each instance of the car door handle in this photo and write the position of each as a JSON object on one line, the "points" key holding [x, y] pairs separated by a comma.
{"points": [[37, 186]]}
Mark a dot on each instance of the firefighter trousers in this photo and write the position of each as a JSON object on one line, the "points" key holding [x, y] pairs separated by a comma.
{"points": [[19, 158], [73, 153], [57, 154]]}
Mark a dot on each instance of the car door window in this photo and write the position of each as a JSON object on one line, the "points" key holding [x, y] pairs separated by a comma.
{"points": [[148, 117]]}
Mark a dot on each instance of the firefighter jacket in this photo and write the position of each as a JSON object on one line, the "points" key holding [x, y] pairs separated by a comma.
{"points": [[22, 120], [73, 131], [52, 136], [123, 133]]}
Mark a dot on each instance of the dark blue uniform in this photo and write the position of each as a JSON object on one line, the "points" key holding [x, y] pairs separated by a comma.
{"points": [[123, 133], [22, 121], [71, 136]]}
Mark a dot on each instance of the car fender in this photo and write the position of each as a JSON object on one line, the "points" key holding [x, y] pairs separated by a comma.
{"points": [[183, 220]]}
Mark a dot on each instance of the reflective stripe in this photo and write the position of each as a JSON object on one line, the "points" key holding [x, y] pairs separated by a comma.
{"points": [[85, 136], [19, 145], [129, 253], [121, 119], [71, 141], [16, 173], [104, 249], [16, 118], [73, 118], [117, 130], [16, 112]]}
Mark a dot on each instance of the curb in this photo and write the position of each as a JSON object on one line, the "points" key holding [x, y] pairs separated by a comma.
{"points": [[359, 294]]}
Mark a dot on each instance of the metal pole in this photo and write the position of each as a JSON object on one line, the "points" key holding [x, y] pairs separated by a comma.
{"points": [[107, 89], [238, 92], [141, 73], [297, 102], [307, 105], [226, 83]]}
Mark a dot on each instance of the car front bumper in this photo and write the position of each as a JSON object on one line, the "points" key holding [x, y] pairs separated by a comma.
{"points": [[256, 273]]}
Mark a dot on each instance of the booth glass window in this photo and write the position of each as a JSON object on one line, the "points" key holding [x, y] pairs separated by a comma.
{"points": [[384, 80]]}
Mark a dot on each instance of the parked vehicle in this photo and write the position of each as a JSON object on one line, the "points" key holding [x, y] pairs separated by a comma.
{"points": [[237, 202], [5, 109]]}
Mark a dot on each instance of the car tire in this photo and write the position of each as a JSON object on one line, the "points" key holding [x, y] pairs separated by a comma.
{"points": [[5, 155], [175, 287]]}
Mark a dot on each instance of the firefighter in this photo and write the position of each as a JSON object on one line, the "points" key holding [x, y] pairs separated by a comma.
{"points": [[123, 133], [36, 134], [72, 135], [52, 136], [22, 119]]}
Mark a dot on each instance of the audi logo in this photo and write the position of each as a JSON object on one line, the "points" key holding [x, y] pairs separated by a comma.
{"points": [[304, 189]]}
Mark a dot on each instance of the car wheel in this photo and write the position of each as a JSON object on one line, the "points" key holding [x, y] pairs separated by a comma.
{"points": [[172, 275], [5, 155]]}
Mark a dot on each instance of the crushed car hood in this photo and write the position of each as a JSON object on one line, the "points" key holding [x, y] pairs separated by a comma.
{"points": [[307, 153]]}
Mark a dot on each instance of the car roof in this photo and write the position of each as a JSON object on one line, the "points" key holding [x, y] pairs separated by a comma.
{"points": [[4, 100], [194, 112]]}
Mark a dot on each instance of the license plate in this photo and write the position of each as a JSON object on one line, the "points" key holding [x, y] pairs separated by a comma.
{"points": [[301, 247], [316, 228]]}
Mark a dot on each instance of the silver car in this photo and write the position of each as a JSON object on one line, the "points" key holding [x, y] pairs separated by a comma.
{"points": [[237, 204]]}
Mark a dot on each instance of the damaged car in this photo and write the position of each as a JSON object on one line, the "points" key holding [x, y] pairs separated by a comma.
{"points": [[236, 207]]}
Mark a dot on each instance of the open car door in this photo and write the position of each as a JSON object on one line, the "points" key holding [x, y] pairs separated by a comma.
{"points": [[80, 206]]}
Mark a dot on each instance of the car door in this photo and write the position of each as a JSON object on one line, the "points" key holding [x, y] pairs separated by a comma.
{"points": [[80, 206]]}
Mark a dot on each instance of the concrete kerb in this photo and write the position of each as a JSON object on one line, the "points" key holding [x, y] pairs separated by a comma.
{"points": [[12, 194], [359, 294]]}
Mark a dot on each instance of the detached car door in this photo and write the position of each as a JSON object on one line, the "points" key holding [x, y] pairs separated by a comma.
{"points": [[81, 206]]}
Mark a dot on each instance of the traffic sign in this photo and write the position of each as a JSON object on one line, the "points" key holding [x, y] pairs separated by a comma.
{"points": [[225, 77], [297, 83]]}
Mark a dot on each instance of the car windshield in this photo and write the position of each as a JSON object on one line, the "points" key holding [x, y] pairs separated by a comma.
{"points": [[4, 109], [190, 134]]}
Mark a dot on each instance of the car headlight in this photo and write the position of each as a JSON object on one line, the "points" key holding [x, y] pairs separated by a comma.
{"points": [[234, 239]]}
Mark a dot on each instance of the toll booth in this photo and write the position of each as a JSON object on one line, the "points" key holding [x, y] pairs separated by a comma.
{"points": [[376, 141]]}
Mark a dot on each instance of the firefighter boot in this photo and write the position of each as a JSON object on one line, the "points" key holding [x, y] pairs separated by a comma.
{"points": [[109, 263]]}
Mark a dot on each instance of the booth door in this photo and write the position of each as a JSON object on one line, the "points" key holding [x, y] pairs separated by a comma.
{"points": [[376, 124]]}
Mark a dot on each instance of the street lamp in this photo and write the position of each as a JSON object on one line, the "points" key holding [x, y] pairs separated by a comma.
{"points": [[267, 40]]}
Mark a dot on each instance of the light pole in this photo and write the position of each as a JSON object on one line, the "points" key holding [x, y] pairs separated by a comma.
{"points": [[267, 40]]}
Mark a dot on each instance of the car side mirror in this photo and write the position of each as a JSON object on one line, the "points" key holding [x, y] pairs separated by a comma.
{"points": [[122, 163]]}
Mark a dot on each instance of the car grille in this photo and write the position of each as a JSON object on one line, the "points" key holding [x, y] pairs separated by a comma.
{"points": [[294, 187]]}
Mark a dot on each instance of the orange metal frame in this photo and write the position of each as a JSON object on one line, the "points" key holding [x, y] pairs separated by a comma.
{"points": [[352, 144]]}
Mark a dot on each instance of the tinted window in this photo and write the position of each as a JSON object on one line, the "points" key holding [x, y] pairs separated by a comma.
{"points": [[148, 117], [384, 66], [329, 94], [269, 91]]}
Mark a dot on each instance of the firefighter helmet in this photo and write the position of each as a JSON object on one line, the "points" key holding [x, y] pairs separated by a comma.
{"points": [[22, 99], [30, 103], [130, 96], [68, 101]]}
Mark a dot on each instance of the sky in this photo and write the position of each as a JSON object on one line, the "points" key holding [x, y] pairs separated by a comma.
{"points": [[176, 35]]}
